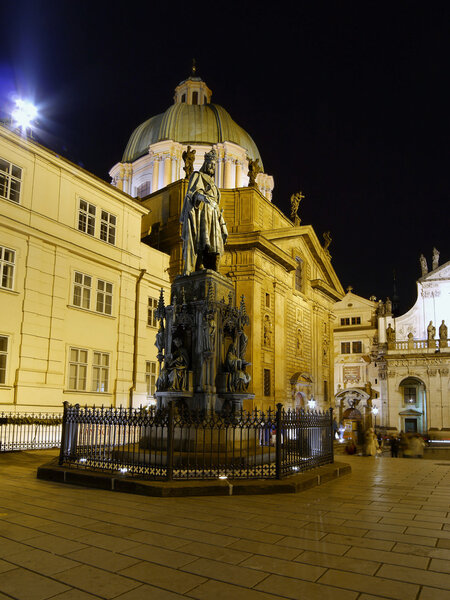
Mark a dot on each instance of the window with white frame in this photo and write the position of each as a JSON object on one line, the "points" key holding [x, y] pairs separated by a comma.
{"points": [[78, 366], [108, 227], [10, 181], [152, 306], [357, 347], [100, 372], [3, 357], [7, 263], [345, 348], [150, 378], [82, 290], [86, 217], [104, 297]]}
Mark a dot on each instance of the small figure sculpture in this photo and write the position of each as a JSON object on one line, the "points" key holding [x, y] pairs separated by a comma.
{"points": [[208, 333], [328, 239], [380, 308], [188, 156], [299, 342], [204, 232], [388, 306], [431, 331], [443, 335], [174, 374], [423, 265], [295, 203], [267, 331], [435, 259], [254, 169], [238, 378], [390, 334]]}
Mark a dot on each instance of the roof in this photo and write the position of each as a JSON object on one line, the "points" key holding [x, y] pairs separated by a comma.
{"points": [[189, 124]]}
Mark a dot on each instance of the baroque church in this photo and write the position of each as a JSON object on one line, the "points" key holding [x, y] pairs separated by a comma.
{"points": [[83, 263], [397, 365]]}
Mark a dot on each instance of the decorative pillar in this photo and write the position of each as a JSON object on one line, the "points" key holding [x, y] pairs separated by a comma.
{"points": [[155, 176], [167, 170], [121, 176], [238, 174], [227, 175], [280, 292], [174, 169]]}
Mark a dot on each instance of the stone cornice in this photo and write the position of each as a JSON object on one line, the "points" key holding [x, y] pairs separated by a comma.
{"points": [[256, 240]]}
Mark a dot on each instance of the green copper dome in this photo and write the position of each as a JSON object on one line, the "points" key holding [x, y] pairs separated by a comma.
{"points": [[189, 124]]}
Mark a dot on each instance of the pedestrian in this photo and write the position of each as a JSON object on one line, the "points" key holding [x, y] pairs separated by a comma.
{"points": [[394, 446]]}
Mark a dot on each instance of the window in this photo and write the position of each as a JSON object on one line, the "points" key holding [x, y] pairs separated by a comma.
{"points": [[345, 321], [108, 227], [152, 306], [266, 382], [183, 98], [299, 274], [194, 97], [410, 395], [82, 290], [7, 260], [78, 369], [100, 372], [10, 181], [325, 391], [356, 320], [144, 189], [356, 347], [345, 347], [104, 297], [86, 217], [150, 378], [3, 357], [268, 300]]}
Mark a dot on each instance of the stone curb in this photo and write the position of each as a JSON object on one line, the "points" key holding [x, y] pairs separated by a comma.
{"points": [[51, 471]]}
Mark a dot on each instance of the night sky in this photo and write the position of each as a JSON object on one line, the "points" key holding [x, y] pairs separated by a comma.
{"points": [[346, 101]]}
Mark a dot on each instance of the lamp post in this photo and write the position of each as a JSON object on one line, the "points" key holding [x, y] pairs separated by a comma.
{"points": [[375, 412], [311, 403]]}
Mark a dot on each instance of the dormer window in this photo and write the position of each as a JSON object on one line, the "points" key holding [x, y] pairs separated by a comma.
{"points": [[194, 97]]}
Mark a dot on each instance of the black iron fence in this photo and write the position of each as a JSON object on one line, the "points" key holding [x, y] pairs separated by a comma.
{"points": [[29, 431], [171, 444]]}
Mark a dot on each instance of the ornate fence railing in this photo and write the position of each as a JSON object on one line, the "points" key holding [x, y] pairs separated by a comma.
{"points": [[171, 444], [30, 431]]}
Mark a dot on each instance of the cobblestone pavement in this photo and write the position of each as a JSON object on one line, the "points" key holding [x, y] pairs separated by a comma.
{"points": [[381, 532]]}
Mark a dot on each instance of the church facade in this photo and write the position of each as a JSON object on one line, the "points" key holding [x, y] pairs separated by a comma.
{"points": [[279, 266], [405, 360]]}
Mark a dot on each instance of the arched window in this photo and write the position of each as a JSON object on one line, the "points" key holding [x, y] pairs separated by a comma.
{"points": [[183, 98], [194, 97]]}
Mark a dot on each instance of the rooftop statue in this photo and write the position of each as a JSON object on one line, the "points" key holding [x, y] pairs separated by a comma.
{"points": [[327, 239], [254, 169], [295, 203], [204, 232], [435, 258], [188, 156], [423, 265]]}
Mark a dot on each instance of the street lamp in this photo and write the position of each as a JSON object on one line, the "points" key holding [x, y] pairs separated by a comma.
{"points": [[311, 403], [375, 412], [24, 114]]}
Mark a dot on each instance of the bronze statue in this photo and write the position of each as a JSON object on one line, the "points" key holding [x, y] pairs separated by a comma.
{"points": [[188, 156], [254, 169], [204, 232], [295, 203]]}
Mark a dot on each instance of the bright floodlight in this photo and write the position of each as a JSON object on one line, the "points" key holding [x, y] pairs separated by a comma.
{"points": [[375, 411], [24, 113], [311, 403]]}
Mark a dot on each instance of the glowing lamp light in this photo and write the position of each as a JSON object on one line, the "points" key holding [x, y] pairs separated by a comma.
{"points": [[311, 403], [24, 114], [123, 470], [375, 411], [223, 477]]}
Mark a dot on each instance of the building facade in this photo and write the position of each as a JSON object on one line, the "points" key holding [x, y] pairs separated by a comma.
{"points": [[78, 289]]}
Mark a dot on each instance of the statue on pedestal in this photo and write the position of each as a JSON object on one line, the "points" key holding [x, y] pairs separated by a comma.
{"points": [[174, 375], [204, 232], [238, 378], [435, 259], [295, 203], [431, 332], [443, 335], [390, 334]]}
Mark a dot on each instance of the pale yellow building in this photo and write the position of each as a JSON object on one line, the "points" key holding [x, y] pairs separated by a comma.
{"points": [[77, 289]]}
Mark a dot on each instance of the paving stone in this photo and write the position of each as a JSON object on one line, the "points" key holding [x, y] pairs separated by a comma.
{"points": [[226, 555], [103, 559], [236, 575], [163, 577], [149, 592], [266, 549], [157, 539], [363, 583], [96, 581], [161, 556], [25, 585], [55, 544], [393, 558], [41, 561], [428, 593], [344, 563], [419, 576], [224, 591], [441, 565], [302, 590]]}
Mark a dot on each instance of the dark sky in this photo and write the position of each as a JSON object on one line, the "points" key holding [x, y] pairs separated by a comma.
{"points": [[346, 101]]}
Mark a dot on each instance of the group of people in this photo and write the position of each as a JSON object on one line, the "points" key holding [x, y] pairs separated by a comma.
{"points": [[411, 445]]}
